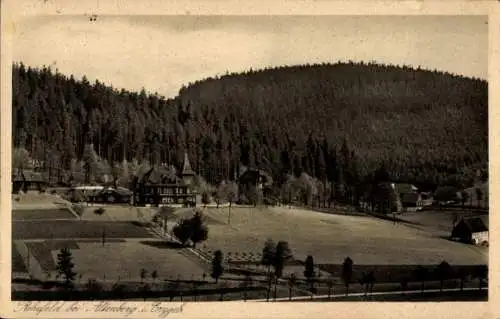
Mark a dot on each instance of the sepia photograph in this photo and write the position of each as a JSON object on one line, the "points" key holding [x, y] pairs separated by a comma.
{"points": [[254, 158]]}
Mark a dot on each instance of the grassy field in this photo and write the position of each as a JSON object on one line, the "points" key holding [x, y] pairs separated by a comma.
{"points": [[330, 238], [438, 222], [119, 213], [34, 199], [43, 255], [373, 244], [76, 229], [124, 260], [37, 214], [116, 259]]}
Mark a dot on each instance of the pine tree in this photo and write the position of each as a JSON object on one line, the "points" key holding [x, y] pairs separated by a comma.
{"points": [[309, 270], [217, 267], [347, 273], [65, 266], [199, 230], [268, 254], [283, 254]]}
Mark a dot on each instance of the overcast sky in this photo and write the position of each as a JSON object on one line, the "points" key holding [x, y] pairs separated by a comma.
{"points": [[162, 53]]}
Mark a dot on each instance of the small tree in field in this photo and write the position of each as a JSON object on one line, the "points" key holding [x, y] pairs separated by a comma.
{"points": [[329, 283], [220, 194], [347, 273], [363, 281], [443, 272], [99, 212], [421, 274], [309, 271], [166, 212], [182, 231], [205, 198], [145, 291], [217, 267], [231, 191], [481, 273], [404, 284], [144, 273], [199, 231], [370, 278], [154, 275], [283, 254], [268, 255], [193, 229], [463, 273], [65, 266], [292, 281]]}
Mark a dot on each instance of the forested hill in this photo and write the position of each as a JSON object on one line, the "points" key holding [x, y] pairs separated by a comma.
{"points": [[331, 121]]}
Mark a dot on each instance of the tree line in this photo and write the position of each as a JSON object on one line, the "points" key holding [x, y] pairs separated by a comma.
{"points": [[337, 123]]}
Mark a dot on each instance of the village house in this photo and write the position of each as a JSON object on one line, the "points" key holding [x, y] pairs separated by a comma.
{"points": [[110, 195], [471, 231], [160, 185], [27, 180], [408, 197], [253, 178]]}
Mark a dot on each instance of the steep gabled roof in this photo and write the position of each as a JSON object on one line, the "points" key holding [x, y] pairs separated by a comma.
{"points": [[404, 188], [475, 224], [186, 168], [158, 175]]}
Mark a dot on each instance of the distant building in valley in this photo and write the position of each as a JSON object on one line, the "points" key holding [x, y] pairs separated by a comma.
{"points": [[471, 230], [251, 179], [409, 198], [110, 195], [162, 185]]}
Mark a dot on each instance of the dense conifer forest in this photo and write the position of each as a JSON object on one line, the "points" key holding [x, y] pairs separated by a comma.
{"points": [[335, 122]]}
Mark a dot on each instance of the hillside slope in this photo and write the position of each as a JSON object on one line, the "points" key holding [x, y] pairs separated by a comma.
{"points": [[326, 120]]}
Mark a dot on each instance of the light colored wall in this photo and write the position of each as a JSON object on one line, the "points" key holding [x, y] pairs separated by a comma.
{"points": [[480, 237]]}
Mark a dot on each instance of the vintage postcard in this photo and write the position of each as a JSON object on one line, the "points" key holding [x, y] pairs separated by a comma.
{"points": [[284, 160]]}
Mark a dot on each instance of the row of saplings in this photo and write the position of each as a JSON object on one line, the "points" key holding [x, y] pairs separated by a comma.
{"points": [[276, 256]]}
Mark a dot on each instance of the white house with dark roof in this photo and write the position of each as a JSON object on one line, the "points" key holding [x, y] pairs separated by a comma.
{"points": [[471, 230]]}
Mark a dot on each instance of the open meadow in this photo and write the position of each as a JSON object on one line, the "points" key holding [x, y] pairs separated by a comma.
{"points": [[124, 260], [330, 238], [131, 245]]}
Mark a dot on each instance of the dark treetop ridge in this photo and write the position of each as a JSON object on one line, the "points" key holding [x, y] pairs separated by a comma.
{"points": [[331, 121]]}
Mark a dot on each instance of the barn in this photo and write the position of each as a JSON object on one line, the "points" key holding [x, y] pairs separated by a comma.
{"points": [[471, 230]]}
